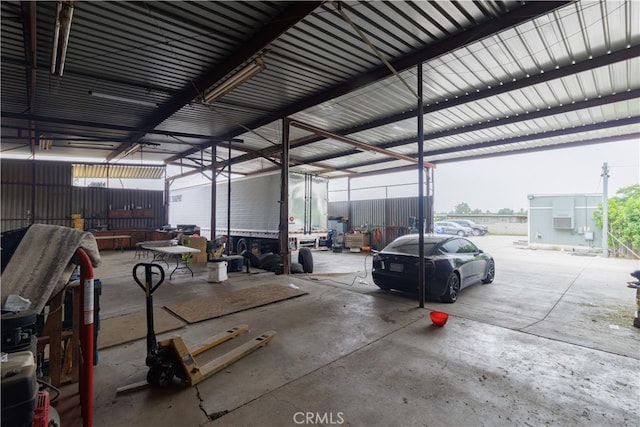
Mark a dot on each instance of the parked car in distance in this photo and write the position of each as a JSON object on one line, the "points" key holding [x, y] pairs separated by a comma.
{"points": [[478, 230], [449, 227], [451, 264]]}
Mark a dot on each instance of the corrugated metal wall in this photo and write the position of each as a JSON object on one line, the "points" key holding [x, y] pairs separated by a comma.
{"points": [[53, 199], [390, 215]]}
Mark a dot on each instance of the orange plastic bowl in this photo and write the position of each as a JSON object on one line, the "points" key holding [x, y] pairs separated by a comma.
{"points": [[439, 318]]}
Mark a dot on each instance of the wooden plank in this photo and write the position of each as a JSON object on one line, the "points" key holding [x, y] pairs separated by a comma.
{"points": [[220, 338], [140, 385], [45, 339], [234, 355], [75, 338], [54, 322]]}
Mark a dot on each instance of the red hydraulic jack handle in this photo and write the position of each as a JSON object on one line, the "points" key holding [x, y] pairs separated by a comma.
{"points": [[86, 337]]}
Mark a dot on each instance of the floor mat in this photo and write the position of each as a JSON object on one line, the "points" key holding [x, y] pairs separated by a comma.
{"points": [[130, 327], [200, 309]]}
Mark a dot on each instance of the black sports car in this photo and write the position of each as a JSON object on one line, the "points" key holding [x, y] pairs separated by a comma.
{"points": [[451, 263]]}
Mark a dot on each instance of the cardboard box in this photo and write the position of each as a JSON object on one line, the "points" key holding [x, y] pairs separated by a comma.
{"points": [[199, 243]]}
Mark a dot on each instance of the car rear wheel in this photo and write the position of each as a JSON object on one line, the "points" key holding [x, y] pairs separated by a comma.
{"points": [[453, 288], [461, 233], [491, 272]]}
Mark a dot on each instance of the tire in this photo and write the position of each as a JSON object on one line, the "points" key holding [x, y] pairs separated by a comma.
{"points": [[19, 320], [453, 288], [491, 272], [251, 258], [270, 262], [305, 258], [477, 232], [461, 233], [241, 246], [296, 268]]}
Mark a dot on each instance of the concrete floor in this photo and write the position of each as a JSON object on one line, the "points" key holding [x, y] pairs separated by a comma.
{"points": [[550, 342]]}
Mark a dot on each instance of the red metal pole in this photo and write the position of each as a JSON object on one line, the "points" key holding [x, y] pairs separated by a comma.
{"points": [[86, 337]]}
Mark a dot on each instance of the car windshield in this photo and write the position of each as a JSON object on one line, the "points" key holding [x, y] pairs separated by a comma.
{"points": [[410, 247]]}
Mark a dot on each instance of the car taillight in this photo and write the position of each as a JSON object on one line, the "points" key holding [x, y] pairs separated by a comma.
{"points": [[378, 264]]}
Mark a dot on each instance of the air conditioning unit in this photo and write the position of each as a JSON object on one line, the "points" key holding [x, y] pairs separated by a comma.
{"points": [[563, 222]]}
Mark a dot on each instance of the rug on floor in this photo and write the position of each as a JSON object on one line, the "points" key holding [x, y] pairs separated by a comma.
{"points": [[200, 309], [130, 327]]}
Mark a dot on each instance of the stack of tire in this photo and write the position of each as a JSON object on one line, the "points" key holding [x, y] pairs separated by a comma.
{"points": [[271, 262]]}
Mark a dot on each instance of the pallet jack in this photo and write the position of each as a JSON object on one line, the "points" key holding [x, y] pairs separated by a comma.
{"points": [[172, 357]]}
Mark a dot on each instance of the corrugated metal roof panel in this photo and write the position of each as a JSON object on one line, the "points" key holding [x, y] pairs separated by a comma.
{"points": [[156, 52], [118, 171]]}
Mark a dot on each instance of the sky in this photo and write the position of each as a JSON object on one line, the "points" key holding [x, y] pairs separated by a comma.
{"points": [[505, 181]]}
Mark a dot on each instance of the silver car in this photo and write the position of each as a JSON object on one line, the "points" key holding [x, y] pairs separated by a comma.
{"points": [[448, 227]]}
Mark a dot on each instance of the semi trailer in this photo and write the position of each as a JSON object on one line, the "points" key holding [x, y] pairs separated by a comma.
{"points": [[255, 211]]}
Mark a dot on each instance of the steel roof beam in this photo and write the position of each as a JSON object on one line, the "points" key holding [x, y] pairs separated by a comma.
{"points": [[595, 102], [602, 140], [514, 140], [269, 32], [586, 65], [514, 119], [517, 16], [633, 94], [551, 134], [519, 84], [104, 126], [350, 141]]}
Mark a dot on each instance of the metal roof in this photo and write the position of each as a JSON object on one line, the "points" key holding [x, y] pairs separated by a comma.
{"points": [[117, 171], [498, 77]]}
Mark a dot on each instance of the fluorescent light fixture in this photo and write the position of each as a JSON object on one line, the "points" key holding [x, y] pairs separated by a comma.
{"points": [[123, 99], [46, 142], [62, 29], [243, 75]]}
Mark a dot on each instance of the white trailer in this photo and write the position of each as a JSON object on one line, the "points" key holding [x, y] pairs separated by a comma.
{"points": [[255, 211]]}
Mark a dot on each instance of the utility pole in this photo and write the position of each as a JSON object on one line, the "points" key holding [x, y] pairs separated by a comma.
{"points": [[605, 209]]}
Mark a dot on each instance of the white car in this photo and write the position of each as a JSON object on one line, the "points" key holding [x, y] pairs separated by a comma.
{"points": [[478, 230], [448, 227]]}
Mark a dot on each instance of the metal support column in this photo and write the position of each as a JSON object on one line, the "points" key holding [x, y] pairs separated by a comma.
{"points": [[228, 248], [421, 267], [284, 200], [605, 210], [214, 195]]}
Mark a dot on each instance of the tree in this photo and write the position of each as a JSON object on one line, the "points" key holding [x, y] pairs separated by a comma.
{"points": [[624, 217], [462, 208], [505, 211]]}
